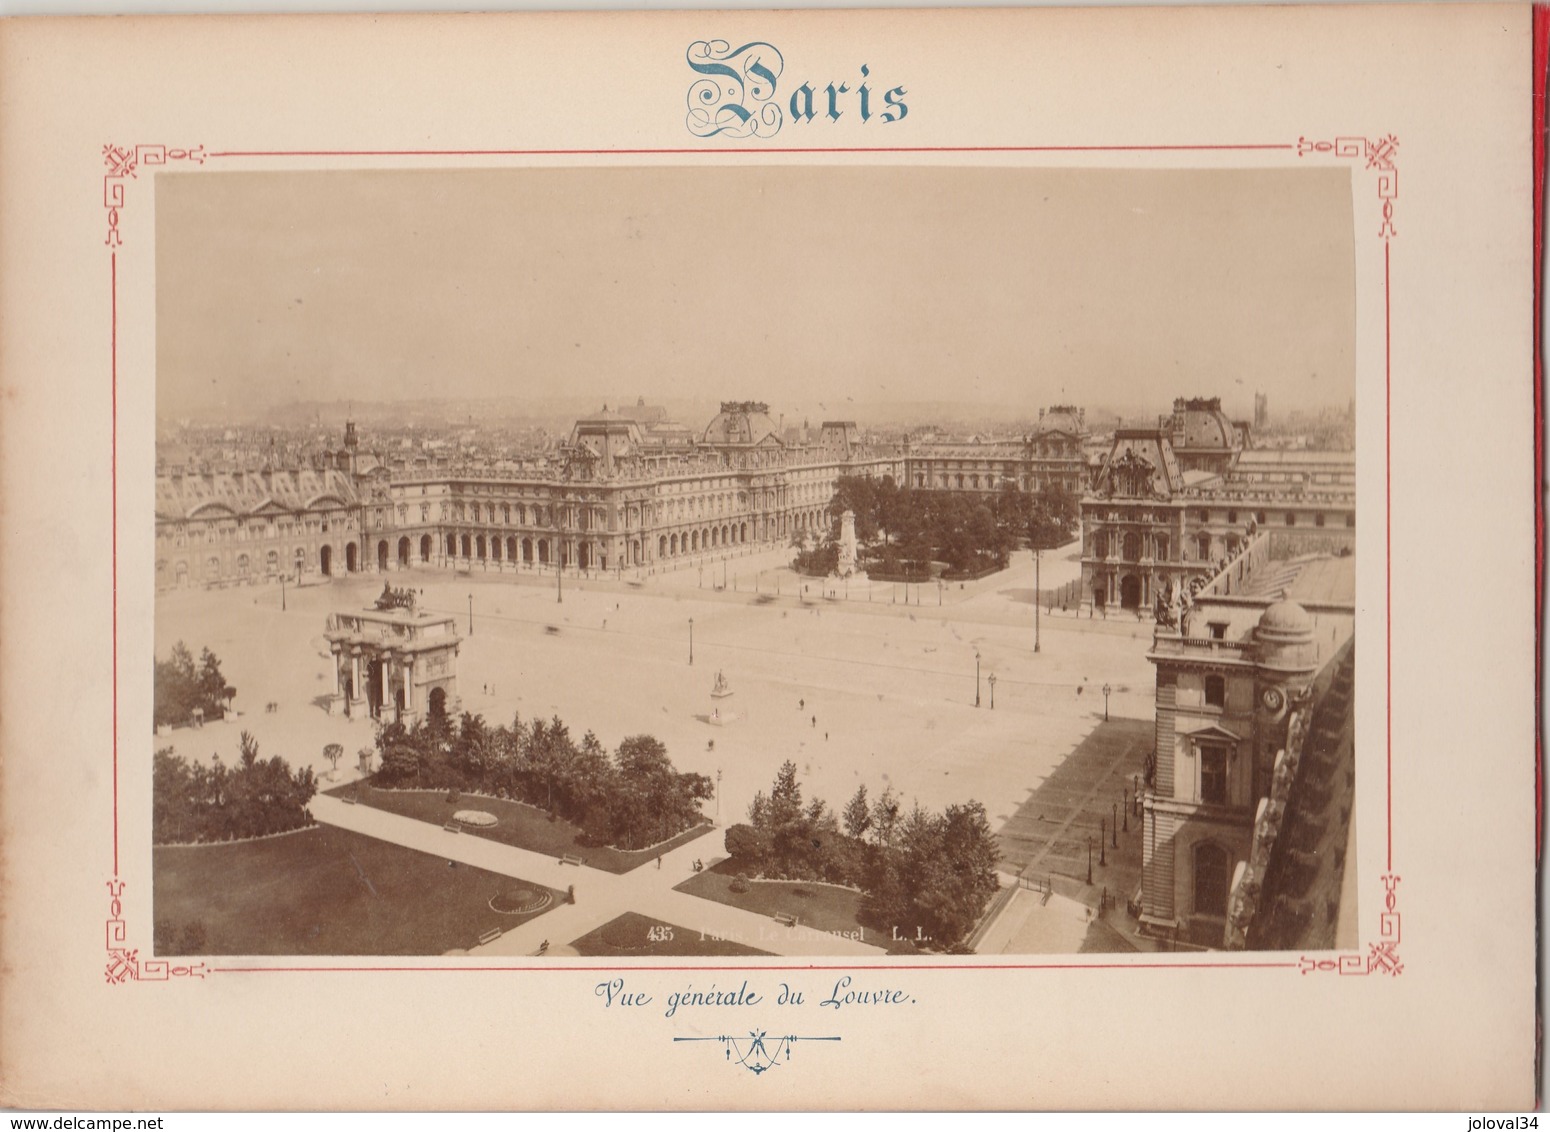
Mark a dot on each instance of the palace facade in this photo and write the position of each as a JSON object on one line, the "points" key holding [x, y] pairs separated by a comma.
{"points": [[625, 491], [1052, 455], [1169, 505]]}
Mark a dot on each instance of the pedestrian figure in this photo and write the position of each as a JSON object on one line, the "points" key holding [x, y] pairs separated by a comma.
{"points": [[825, 736], [815, 721], [802, 704], [659, 862]]}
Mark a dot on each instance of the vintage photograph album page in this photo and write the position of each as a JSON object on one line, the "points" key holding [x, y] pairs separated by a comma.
{"points": [[769, 560]]}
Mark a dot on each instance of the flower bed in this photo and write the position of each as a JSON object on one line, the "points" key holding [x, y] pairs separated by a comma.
{"points": [[479, 819]]}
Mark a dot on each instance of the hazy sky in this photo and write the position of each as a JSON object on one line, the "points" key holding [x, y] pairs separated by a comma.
{"points": [[789, 285]]}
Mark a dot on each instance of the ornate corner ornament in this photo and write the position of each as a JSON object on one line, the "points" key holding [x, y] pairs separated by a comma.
{"points": [[123, 164], [757, 1052], [1379, 155], [1382, 955], [124, 962]]}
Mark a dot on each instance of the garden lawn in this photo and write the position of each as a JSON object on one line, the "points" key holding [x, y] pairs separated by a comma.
{"points": [[822, 907], [631, 934], [327, 891], [519, 825]]}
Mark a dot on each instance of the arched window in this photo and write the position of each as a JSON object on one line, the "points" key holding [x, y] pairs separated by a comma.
{"points": [[1210, 880]]}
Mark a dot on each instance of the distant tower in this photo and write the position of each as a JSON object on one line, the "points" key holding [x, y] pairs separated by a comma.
{"points": [[351, 445], [1261, 411]]}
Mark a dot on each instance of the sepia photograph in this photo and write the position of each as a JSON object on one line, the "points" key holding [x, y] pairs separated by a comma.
{"points": [[771, 561], [874, 561]]}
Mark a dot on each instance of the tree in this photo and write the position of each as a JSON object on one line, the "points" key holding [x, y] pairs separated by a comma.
{"points": [[744, 843], [947, 871], [181, 690], [858, 815], [333, 752], [193, 803], [1051, 517], [885, 816]]}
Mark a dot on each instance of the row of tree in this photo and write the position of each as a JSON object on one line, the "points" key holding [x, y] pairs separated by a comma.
{"points": [[925, 875], [630, 799], [191, 802], [903, 530], [185, 692]]}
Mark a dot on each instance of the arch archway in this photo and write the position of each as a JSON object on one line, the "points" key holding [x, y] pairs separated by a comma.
{"points": [[382, 554], [468, 546], [495, 547], [425, 548], [479, 544], [511, 548], [661, 546], [1130, 592], [352, 558], [451, 546], [326, 561], [584, 556], [438, 704], [527, 550], [543, 551], [403, 553]]}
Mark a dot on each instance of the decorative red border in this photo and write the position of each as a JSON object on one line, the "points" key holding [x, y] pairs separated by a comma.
{"points": [[1378, 156]]}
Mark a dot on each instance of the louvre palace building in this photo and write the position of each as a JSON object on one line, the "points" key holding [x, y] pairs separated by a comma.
{"points": [[625, 491], [1170, 505]]}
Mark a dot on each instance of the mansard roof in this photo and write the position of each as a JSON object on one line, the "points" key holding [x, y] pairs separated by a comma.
{"points": [[186, 495]]}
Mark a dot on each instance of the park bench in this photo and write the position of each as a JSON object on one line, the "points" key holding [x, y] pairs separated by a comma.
{"points": [[349, 799], [489, 936], [786, 918], [453, 827], [572, 859]]}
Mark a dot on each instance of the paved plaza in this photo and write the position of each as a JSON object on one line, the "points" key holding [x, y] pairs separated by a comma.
{"points": [[858, 690]]}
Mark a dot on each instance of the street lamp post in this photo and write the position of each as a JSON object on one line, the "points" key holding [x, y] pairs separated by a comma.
{"points": [[976, 679], [1106, 691], [718, 795], [1089, 858], [470, 615], [282, 591], [1037, 555], [1127, 810], [992, 691], [1114, 823], [691, 640], [1103, 844]]}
